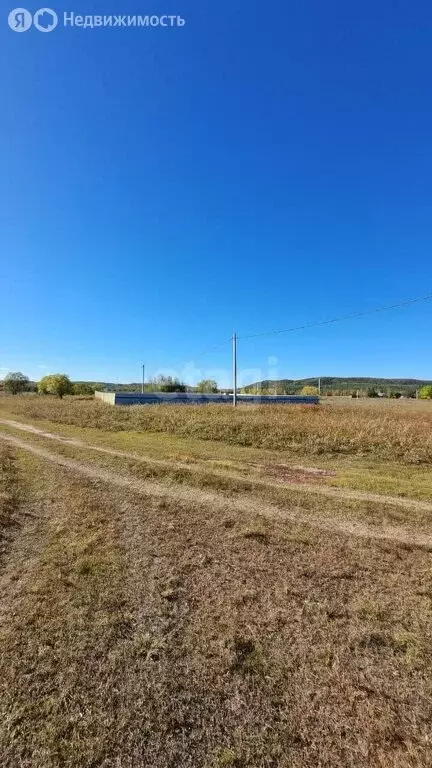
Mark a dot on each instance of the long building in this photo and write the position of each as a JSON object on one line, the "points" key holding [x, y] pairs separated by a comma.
{"points": [[194, 398]]}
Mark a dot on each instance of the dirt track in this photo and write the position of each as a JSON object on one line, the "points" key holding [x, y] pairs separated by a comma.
{"points": [[243, 503], [323, 490]]}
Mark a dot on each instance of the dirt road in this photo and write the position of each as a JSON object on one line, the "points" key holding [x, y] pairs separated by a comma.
{"points": [[242, 503]]}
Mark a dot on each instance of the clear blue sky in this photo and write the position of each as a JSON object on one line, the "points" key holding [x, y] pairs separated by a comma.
{"points": [[267, 164]]}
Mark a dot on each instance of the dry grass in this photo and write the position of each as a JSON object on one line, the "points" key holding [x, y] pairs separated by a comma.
{"points": [[10, 496], [402, 433], [370, 473], [190, 630], [156, 633], [256, 486], [60, 608]]}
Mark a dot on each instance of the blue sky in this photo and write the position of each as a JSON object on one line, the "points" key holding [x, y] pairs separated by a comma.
{"points": [[263, 166]]}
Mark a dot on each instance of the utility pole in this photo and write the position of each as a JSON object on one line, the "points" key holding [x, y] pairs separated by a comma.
{"points": [[234, 340], [319, 386], [143, 374]]}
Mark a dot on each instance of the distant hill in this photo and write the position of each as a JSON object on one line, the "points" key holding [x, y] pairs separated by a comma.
{"points": [[336, 385], [333, 385]]}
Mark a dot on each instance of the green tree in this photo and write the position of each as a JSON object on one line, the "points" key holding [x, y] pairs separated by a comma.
{"points": [[16, 382], [167, 384], [207, 386], [309, 390], [82, 388], [55, 384], [426, 392], [372, 392]]}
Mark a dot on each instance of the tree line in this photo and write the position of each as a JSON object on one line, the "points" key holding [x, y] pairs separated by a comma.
{"points": [[59, 384], [333, 387]]}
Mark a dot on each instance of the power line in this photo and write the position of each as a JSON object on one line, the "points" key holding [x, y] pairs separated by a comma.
{"points": [[205, 351], [305, 326], [339, 319]]}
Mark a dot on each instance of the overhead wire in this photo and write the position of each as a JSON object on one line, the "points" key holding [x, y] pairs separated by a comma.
{"points": [[205, 351], [314, 324], [338, 319]]}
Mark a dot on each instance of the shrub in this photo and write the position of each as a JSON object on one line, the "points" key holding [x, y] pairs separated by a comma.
{"points": [[207, 386], [308, 390], [426, 392], [167, 384], [82, 388]]}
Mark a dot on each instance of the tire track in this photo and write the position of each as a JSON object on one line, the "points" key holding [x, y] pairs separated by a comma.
{"points": [[321, 490], [210, 499]]}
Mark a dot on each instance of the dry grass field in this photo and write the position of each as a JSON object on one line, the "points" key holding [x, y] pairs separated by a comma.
{"points": [[200, 587], [390, 429]]}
